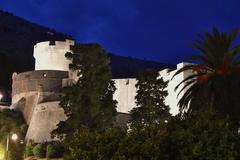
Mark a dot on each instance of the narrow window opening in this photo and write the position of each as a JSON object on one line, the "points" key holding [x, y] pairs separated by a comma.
{"points": [[127, 82], [44, 74], [52, 43]]}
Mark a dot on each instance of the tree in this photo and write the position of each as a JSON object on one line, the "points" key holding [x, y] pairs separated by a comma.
{"points": [[143, 144], [203, 134], [89, 102], [13, 122], [151, 93], [216, 79], [90, 145], [148, 119]]}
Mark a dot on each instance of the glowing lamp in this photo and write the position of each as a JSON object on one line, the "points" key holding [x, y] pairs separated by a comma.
{"points": [[14, 137]]}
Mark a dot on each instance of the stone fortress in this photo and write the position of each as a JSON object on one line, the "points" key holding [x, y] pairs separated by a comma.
{"points": [[36, 93]]}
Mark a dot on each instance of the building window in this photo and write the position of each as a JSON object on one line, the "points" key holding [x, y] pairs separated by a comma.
{"points": [[127, 82], [52, 43]]}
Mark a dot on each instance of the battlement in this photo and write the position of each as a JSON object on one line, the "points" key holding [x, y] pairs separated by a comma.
{"points": [[50, 55], [55, 44]]}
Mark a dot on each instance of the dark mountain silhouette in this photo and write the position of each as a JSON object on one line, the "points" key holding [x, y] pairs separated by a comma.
{"points": [[18, 36], [128, 67]]}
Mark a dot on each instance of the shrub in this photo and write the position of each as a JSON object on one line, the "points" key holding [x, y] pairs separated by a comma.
{"points": [[39, 150], [29, 150], [55, 150]]}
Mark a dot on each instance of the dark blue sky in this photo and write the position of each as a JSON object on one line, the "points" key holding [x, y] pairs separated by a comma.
{"points": [[153, 29]]}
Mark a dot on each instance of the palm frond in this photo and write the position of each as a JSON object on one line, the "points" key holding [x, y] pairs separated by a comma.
{"points": [[216, 56], [189, 83], [187, 79], [185, 68]]}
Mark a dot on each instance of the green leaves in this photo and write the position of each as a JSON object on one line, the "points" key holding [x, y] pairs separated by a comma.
{"points": [[151, 93], [91, 145], [204, 134], [13, 122], [215, 80], [89, 102]]}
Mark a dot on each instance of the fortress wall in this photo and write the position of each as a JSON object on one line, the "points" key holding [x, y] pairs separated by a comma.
{"points": [[173, 97], [30, 104], [51, 55], [126, 90], [44, 119], [36, 81], [31, 88], [125, 94]]}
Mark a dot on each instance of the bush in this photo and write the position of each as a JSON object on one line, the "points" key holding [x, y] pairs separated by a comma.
{"points": [[55, 150], [39, 150], [29, 150]]}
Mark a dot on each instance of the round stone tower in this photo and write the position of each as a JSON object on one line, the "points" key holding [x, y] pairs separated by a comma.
{"points": [[50, 55], [37, 93]]}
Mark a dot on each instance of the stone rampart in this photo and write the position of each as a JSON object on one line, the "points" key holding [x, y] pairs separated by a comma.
{"points": [[36, 81], [31, 88], [50, 55], [126, 90], [45, 118]]}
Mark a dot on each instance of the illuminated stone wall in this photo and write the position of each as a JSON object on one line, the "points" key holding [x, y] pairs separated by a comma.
{"points": [[173, 97], [125, 94], [126, 90], [40, 106], [51, 55], [45, 118]]}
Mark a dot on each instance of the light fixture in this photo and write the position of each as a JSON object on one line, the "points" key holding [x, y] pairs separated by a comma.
{"points": [[238, 131], [14, 136]]}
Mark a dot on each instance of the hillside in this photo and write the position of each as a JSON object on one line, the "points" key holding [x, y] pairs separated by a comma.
{"points": [[128, 67], [18, 36]]}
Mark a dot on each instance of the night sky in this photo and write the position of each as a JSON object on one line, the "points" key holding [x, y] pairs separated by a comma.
{"points": [[157, 30]]}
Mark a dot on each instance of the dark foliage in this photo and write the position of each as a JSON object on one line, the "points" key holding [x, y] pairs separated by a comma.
{"points": [[203, 134], [55, 150], [216, 79], [39, 150], [90, 145], [29, 150], [13, 122], [151, 93], [89, 102]]}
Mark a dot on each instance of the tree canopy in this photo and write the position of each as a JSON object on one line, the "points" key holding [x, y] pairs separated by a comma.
{"points": [[215, 81], [151, 93], [88, 102], [13, 122]]}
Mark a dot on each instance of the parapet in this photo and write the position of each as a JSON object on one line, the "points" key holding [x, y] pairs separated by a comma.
{"points": [[44, 80], [182, 64], [56, 44], [50, 55]]}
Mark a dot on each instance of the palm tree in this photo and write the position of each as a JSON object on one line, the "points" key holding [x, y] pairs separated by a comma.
{"points": [[215, 80]]}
